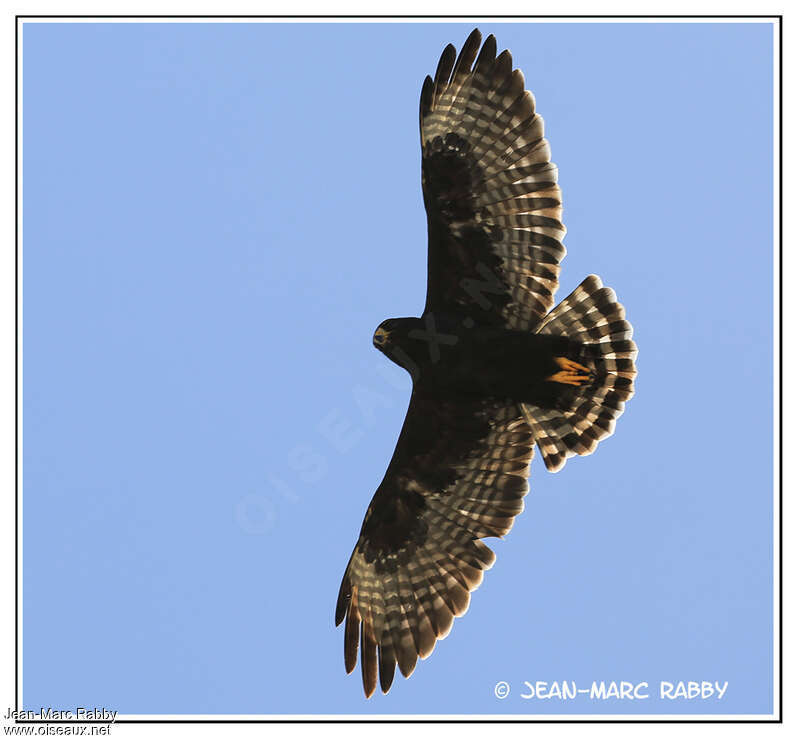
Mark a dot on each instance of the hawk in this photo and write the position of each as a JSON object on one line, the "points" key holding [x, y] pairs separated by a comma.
{"points": [[495, 371]]}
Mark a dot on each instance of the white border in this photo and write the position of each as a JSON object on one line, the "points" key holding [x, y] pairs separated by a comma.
{"points": [[776, 369], [477, 20], [367, 717], [20, 355]]}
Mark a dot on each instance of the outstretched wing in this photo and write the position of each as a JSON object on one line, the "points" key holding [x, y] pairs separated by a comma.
{"points": [[490, 191], [458, 474]]}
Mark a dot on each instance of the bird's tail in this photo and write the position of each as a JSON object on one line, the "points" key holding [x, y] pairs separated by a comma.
{"points": [[587, 413]]}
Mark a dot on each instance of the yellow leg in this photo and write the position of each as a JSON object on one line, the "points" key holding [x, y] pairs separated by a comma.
{"points": [[570, 372]]}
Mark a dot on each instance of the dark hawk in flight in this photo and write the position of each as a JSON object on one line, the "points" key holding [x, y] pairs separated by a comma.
{"points": [[495, 371]]}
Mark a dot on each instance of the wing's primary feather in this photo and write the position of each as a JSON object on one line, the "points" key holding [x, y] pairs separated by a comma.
{"points": [[458, 474], [490, 190]]}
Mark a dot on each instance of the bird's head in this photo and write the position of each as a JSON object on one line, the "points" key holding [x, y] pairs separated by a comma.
{"points": [[392, 334], [395, 339], [382, 339]]}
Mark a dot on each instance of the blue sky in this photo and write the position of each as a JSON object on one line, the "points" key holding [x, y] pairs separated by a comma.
{"points": [[216, 217]]}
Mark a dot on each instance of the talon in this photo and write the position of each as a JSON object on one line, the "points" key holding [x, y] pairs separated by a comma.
{"points": [[568, 364], [567, 377], [571, 372]]}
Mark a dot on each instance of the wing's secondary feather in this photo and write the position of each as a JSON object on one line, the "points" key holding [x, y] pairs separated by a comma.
{"points": [[491, 193]]}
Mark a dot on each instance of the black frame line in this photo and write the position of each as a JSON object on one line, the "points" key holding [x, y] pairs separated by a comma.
{"points": [[465, 17], [367, 719]]}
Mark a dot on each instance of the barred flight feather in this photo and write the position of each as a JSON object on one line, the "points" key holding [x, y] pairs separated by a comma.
{"points": [[503, 190], [406, 598]]}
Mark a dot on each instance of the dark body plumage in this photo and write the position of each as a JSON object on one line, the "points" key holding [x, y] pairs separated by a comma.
{"points": [[496, 369], [448, 360]]}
